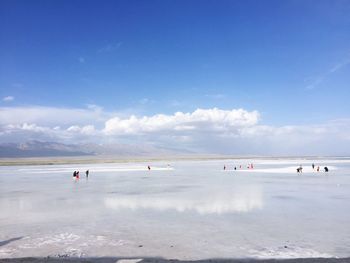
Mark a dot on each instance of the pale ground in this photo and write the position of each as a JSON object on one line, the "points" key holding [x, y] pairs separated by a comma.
{"points": [[187, 210]]}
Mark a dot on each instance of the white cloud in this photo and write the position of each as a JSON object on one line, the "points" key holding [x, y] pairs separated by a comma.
{"points": [[52, 116], [26, 131], [216, 96], [316, 82], [8, 98], [85, 130], [109, 47], [174, 103], [339, 65], [17, 85], [201, 119], [32, 127], [145, 101]]}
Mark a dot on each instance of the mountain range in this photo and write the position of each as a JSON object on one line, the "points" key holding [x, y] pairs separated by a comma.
{"points": [[52, 149]]}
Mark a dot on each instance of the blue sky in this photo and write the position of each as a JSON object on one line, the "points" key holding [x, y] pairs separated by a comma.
{"points": [[287, 60]]}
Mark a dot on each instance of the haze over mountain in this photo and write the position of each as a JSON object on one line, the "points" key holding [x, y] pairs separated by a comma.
{"points": [[54, 149]]}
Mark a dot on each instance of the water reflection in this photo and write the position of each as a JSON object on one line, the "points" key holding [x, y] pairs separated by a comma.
{"points": [[211, 203]]}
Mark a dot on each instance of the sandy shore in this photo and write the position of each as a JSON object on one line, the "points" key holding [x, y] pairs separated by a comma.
{"points": [[161, 260]]}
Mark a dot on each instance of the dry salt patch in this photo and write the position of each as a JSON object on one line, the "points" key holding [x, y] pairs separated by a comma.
{"points": [[70, 244], [287, 252], [133, 260], [62, 238], [6, 252]]}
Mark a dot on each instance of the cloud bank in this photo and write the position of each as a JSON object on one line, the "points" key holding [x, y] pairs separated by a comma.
{"points": [[204, 120], [235, 131]]}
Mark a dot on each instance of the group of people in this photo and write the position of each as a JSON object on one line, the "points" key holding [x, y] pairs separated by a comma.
{"points": [[249, 166], [300, 168], [318, 168], [76, 174]]}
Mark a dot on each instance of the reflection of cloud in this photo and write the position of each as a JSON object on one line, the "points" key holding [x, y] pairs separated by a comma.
{"points": [[210, 204]]}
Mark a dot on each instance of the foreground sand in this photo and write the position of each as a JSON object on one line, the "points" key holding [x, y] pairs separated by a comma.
{"points": [[161, 260]]}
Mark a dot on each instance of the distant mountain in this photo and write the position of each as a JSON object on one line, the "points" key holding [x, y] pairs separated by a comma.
{"points": [[39, 149], [51, 149]]}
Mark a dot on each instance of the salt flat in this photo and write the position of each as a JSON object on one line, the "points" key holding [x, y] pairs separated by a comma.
{"points": [[181, 209]]}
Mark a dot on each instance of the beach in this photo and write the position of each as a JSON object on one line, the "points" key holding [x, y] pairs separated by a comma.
{"points": [[182, 209]]}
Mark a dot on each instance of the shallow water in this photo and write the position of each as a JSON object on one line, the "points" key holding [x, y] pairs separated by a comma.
{"points": [[188, 210]]}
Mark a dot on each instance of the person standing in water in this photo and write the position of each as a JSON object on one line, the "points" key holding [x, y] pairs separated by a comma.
{"points": [[149, 168], [224, 167], [87, 173], [313, 166]]}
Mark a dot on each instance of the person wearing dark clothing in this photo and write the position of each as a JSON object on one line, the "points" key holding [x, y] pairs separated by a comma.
{"points": [[75, 174], [87, 173], [300, 169], [326, 169]]}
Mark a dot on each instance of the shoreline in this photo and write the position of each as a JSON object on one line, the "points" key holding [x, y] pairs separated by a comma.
{"points": [[135, 159]]}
